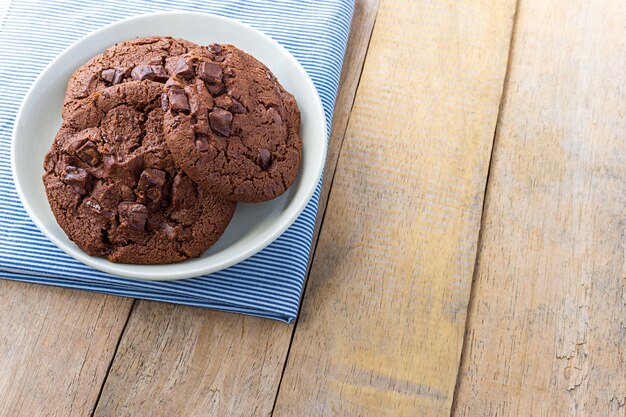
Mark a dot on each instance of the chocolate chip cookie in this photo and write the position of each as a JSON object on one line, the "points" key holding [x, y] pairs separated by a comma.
{"points": [[115, 189], [135, 60], [230, 125]]}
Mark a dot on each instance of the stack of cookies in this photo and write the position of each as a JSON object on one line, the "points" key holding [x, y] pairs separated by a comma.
{"points": [[161, 138]]}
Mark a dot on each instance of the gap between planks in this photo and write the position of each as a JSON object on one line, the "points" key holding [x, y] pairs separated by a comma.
{"points": [[117, 346], [324, 200], [471, 300], [546, 326]]}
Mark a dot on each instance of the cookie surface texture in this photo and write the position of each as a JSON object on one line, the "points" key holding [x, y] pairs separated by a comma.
{"points": [[134, 60], [115, 189], [230, 125]]}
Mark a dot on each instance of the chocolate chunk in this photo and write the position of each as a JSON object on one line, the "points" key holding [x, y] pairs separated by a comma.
{"points": [[216, 89], [202, 125], [149, 72], [265, 158], [178, 99], [159, 74], [215, 48], [200, 91], [169, 231], [128, 170], [77, 178], [202, 143], [195, 101], [87, 85], [119, 75], [237, 108], [220, 121], [112, 75], [235, 93], [74, 143], [150, 186], [89, 154], [157, 60], [176, 232], [93, 204], [142, 72], [224, 101], [151, 178], [133, 215], [183, 69], [274, 115], [184, 192], [165, 103], [210, 72], [173, 83]]}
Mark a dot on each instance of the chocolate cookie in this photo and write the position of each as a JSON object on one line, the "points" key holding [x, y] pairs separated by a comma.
{"points": [[134, 60], [115, 189], [230, 125]]}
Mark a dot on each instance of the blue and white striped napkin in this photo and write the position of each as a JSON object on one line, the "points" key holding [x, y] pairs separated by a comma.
{"points": [[32, 33]]}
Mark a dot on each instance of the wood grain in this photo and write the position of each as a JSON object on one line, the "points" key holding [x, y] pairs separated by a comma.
{"points": [[187, 361], [360, 33], [176, 360], [547, 327], [55, 348], [381, 327]]}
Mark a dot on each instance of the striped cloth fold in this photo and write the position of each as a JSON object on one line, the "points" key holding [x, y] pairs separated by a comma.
{"points": [[268, 284]]}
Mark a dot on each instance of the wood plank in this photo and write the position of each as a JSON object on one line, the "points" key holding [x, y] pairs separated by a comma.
{"points": [[381, 327], [55, 348], [187, 361], [176, 360], [360, 33], [547, 327]]}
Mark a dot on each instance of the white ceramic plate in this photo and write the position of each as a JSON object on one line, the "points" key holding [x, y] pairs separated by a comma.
{"points": [[254, 226]]}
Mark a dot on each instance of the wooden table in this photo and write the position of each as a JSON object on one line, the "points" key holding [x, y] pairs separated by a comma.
{"points": [[471, 252]]}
